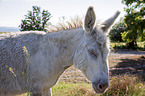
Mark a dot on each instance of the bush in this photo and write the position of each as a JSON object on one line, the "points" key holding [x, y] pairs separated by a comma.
{"points": [[116, 31], [35, 20]]}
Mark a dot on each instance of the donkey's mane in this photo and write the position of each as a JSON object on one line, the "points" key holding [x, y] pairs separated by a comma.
{"points": [[73, 23]]}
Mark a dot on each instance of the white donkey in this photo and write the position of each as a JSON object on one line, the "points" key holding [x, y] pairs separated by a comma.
{"points": [[33, 61]]}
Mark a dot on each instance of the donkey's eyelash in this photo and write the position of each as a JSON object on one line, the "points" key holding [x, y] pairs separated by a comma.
{"points": [[93, 52]]}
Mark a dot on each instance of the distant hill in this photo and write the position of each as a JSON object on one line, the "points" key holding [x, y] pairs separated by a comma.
{"points": [[9, 29]]}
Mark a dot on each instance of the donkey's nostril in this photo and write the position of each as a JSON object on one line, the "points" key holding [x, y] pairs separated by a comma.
{"points": [[100, 86]]}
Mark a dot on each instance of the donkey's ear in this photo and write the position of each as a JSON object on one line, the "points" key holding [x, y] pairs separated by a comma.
{"points": [[109, 22], [90, 20]]}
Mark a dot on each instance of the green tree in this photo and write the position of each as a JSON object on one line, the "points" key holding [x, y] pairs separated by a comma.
{"points": [[116, 31], [35, 20], [134, 21]]}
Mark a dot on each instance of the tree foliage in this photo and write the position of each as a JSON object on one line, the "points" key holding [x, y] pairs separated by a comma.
{"points": [[116, 31], [134, 21], [35, 20]]}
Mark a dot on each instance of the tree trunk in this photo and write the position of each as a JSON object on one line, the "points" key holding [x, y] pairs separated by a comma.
{"points": [[132, 45]]}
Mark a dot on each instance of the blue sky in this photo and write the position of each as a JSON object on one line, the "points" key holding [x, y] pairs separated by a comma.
{"points": [[12, 11]]}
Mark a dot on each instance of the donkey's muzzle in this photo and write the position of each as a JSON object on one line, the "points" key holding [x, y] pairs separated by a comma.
{"points": [[100, 87]]}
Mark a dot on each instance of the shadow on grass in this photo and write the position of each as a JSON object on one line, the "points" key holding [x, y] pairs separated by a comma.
{"points": [[129, 66]]}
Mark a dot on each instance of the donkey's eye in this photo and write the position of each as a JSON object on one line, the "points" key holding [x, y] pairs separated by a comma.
{"points": [[93, 52]]}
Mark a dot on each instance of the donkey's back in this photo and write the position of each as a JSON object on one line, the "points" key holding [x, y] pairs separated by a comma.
{"points": [[14, 51]]}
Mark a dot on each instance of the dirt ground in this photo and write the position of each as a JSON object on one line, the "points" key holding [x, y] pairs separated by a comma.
{"points": [[125, 61], [120, 62]]}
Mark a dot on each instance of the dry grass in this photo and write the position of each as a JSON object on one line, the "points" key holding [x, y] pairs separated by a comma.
{"points": [[125, 85], [73, 75], [122, 85]]}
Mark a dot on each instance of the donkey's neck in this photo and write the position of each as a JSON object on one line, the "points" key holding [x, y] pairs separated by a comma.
{"points": [[64, 45]]}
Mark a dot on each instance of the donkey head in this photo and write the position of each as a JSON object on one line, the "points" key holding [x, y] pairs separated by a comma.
{"points": [[91, 54]]}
